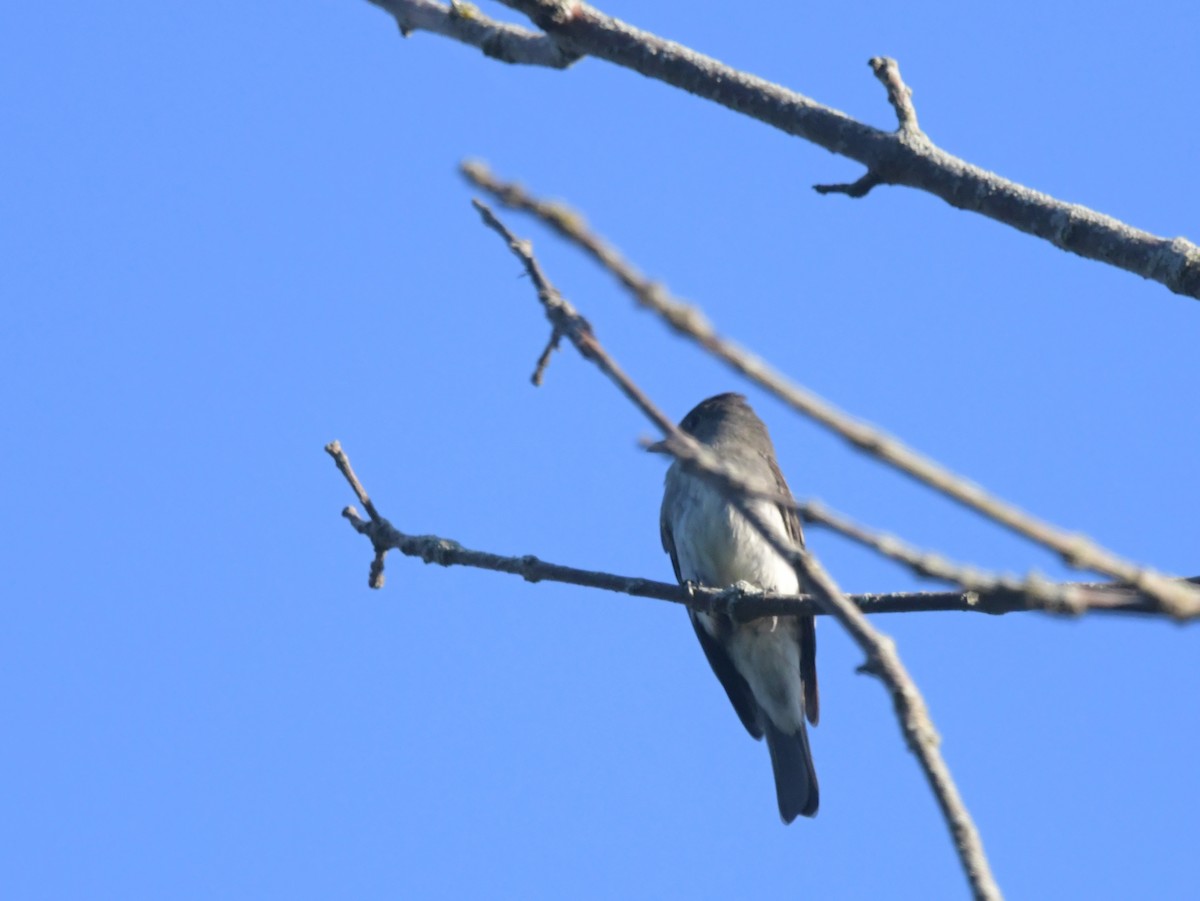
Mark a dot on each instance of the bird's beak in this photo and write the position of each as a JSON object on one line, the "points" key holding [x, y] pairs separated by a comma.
{"points": [[658, 447]]}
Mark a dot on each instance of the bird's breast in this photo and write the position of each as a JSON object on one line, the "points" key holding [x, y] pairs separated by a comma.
{"points": [[716, 545]]}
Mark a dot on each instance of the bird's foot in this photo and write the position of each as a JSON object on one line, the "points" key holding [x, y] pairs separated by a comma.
{"points": [[734, 595]]}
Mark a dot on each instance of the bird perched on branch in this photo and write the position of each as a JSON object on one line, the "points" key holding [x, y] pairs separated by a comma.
{"points": [[767, 666]]}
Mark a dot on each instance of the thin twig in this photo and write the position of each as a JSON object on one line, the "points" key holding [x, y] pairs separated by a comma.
{"points": [[539, 371], [1178, 599], [377, 528], [575, 29], [686, 319], [334, 449], [882, 659], [742, 605], [860, 187], [464, 22], [1038, 592], [887, 70], [565, 320]]}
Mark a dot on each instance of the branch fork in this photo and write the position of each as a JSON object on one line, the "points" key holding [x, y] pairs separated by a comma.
{"points": [[887, 70]]}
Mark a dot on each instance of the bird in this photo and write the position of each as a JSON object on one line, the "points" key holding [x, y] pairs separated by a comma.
{"points": [[768, 666]]}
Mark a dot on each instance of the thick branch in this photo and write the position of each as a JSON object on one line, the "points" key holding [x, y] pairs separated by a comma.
{"points": [[882, 659], [1178, 599], [464, 22], [904, 157]]}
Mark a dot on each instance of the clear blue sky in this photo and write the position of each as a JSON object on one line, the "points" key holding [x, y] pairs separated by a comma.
{"points": [[232, 233]]}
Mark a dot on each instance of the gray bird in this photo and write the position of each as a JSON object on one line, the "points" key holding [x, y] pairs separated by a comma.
{"points": [[768, 667]]}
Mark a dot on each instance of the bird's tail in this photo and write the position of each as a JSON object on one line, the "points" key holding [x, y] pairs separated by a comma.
{"points": [[795, 778]]}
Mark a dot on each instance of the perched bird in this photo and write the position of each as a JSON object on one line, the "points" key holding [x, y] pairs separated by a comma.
{"points": [[768, 667]]}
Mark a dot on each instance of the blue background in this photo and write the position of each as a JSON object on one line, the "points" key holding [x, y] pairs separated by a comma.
{"points": [[234, 232]]}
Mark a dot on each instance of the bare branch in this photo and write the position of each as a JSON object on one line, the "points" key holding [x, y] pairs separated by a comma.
{"points": [[904, 157], [882, 659], [1178, 599], [566, 321], [1037, 592], [743, 606], [464, 22]]}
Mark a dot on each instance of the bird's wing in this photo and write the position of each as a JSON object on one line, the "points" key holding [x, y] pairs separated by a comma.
{"points": [[791, 522], [808, 668], [668, 543], [738, 689], [808, 631]]}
